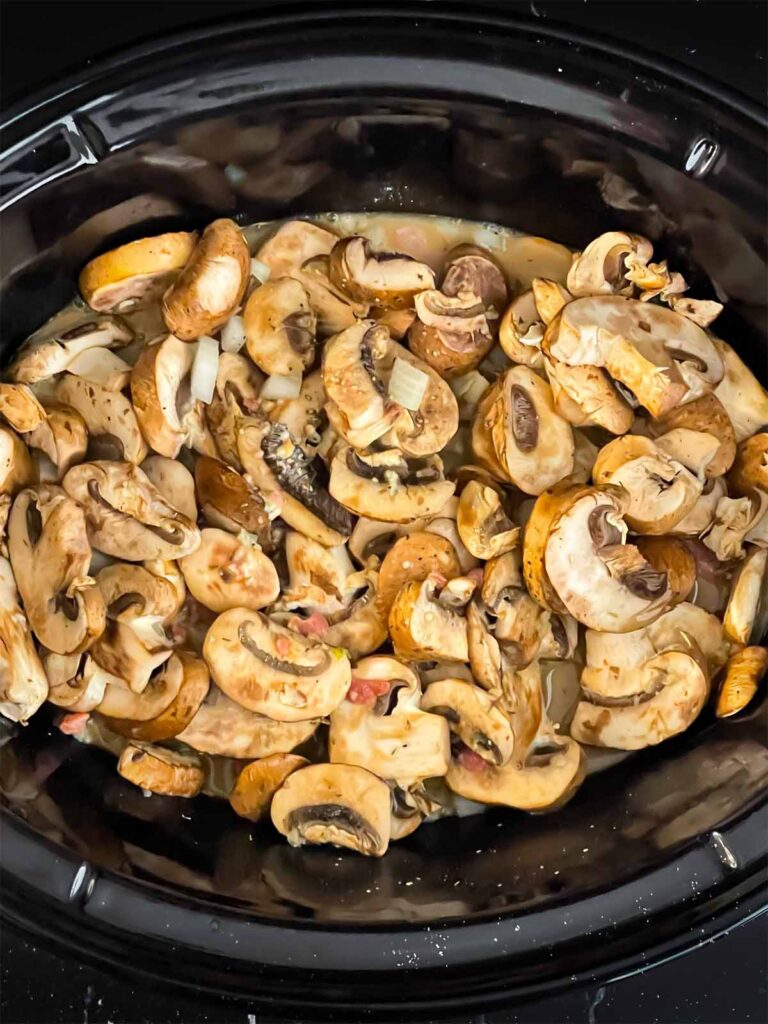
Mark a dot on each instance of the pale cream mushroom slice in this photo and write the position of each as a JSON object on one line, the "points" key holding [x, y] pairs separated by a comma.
{"points": [[743, 674], [229, 572], [112, 424], [702, 515], [122, 704], [699, 435], [211, 285], [160, 770], [51, 349], [517, 434], [50, 556], [546, 509], [155, 381], [318, 576], [76, 683], [702, 311], [228, 501], [236, 395], [182, 668], [749, 472], [586, 396], [134, 594], [291, 481], [335, 311], [62, 436], [388, 733], [659, 491], [130, 659], [521, 331], [550, 297], [304, 416], [601, 580], [424, 629], [745, 399], [388, 279], [483, 521], [474, 717], [280, 328], [127, 517], [221, 727], [733, 523], [746, 615], [174, 481], [429, 417], [602, 268], [686, 626], [340, 804], [452, 334], [295, 242], [412, 559], [359, 628], [444, 525], [387, 486], [258, 782], [20, 407], [17, 470], [102, 366], [274, 671], [135, 275], [23, 682]]}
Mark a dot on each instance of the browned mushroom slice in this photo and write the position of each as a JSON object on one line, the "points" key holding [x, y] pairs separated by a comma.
{"points": [[424, 629], [451, 333], [335, 311], [227, 500], [225, 572], [474, 716], [135, 275], [295, 242], [17, 469], [236, 395], [699, 435], [132, 592], [160, 770], [273, 671], [388, 279], [742, 677], [280, 327], [211, 285], [334, 803], [50, 556], [426, 423], [126, 656], [23, 683], [469, 268], [750, 469], [126, 516], [120, 703], [671, 556], [586, 396], [62, 436], [51, 349], [20, 407], [604, 266], [414, 558], [113, 428], [543, 515], [550, 297], [743, 396], [258, 782], [521, 331], [745, 617], [483, 523], [155, 382]]}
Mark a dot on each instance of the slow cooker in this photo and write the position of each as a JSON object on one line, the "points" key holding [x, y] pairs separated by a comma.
{"points": [[462, 114]]}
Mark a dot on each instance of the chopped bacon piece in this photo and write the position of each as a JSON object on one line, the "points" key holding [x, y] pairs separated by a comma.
{"points": [[315, 625], [74, 723], [365, 691], [471, 761]]}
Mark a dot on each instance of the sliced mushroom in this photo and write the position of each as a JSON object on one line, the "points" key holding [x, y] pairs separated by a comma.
{"points": [[155, 382], [134, 592], [318, 576], [521, 331], [194, 681], [295, 242], [224, 728], [389, 735], [745, 617], [273, 671], [21, 407], [412, 559], [602, 269], [431, 427], [750, 469], [126, 515], [385, 486], [335, 311], [472, 715], [50, 555], [304, 416], [23, 682], [545, 512], [671, 556], [236, 395], [733, 521], [659, 491], [283, 472], [423, 629], [113, 427], [362, 627], [450, 333], [334, 803], [162, 689], [280, 327], [225, 572], [587, 397], [160, 770], [743, 396], [517, 434], [483, 523], [550, 297], [51, 350], [17, 470], [135, 275], [258, 782], [702, 311], [742, 677], [122, 653], [211, 285], [174, 481], [688, 627], [388, 279], [702, 515], [76, 683], [102, 366], [699, 435], [228, 501], [62, 436], [444, 525]]}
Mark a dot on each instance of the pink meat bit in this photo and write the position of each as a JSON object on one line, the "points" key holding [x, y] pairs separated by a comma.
{"points": [[438, 579], [365, 691], [315, 625], [282, 646], [74, 723], [471, 761], [476, 575]]}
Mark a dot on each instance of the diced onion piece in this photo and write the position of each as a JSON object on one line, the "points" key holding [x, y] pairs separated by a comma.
{"points": [[99, 365], [407, 385], [233, 334], [235, 174], [149, 629], [469, 389], [279, 387], [259, 270], [204, 369], [248, 540]]}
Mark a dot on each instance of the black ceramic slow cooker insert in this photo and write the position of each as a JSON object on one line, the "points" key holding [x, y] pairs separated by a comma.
{"points": [[482, 117]]}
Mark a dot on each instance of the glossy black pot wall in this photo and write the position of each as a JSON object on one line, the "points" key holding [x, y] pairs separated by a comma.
{"points": [[489, 119]]}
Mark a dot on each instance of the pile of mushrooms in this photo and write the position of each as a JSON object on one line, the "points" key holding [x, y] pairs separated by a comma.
{"points": [[331, 514]]}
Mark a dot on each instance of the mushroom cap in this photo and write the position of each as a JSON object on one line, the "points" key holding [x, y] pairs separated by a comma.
{"points": [[413, 558], [23, 682], [699, 435], [280, 327], [471, 268], [482, 522], [273, 671], [132, 591], [155, 381], [135, 275], [334, 803], [744, 619], [225, 572], [51, 349], [388, 279], [603, 582], [193, 684], [335, 311], [352, 381], [521, 331], [450, 333], [226, 498], [423, 629], [21, 407], [50, 555], [295, 242], [222, 727], [211, 285], [126, 515], [174, 481], [386, 487], [658, 491], [62, 436], [601, 269], [258, 782], [474, 716], [518, 435], [160, 770], [17, 470], [431, 428], [750, 469], [743, 674], [109, 417], [741, 393]]}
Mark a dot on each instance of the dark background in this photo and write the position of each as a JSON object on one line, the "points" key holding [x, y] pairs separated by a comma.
{"points": [[722, 981]]}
